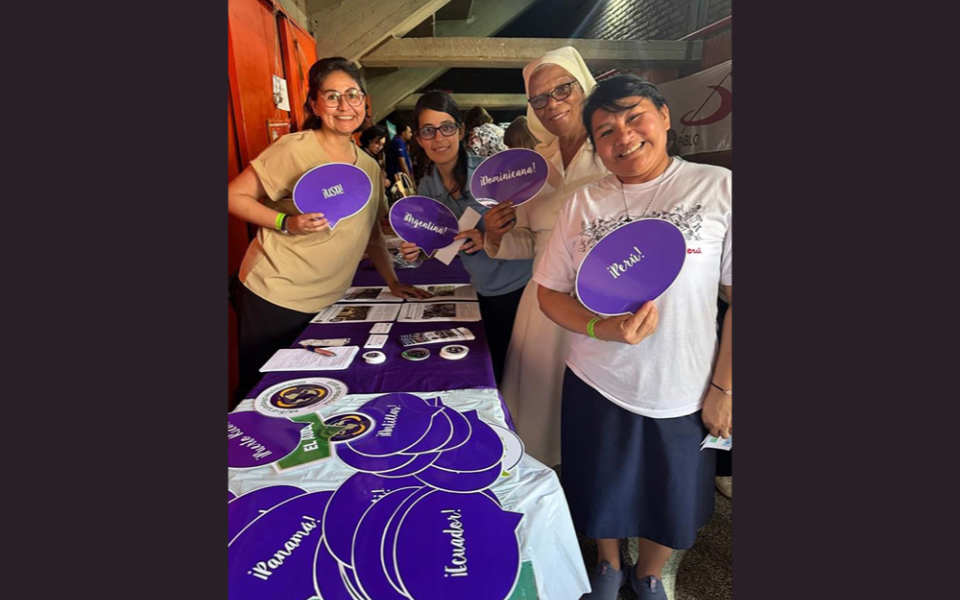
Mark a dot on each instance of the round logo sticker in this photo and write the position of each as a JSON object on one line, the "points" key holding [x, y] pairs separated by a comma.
{"points": [[416, 354], [352, 426], [299, 396]]}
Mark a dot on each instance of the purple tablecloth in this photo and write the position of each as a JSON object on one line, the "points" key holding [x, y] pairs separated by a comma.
{"points": [[398, 374]]}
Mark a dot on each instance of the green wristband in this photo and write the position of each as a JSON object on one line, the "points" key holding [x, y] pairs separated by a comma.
{"points": [[279, 223], [590, 325]]}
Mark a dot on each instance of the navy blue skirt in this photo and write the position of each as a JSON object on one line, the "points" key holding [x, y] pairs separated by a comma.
{"points": [[626, 475]]}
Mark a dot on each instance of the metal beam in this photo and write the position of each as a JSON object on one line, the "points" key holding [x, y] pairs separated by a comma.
{"points": [[514, 53], [490, 17], [425, 29], [468, 101], [351, 29]]}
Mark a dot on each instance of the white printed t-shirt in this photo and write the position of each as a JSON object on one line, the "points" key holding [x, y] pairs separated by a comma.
{"points": [[667, 374]]}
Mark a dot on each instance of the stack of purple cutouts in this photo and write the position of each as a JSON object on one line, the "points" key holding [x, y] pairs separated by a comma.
{"points": [[417, 522]]}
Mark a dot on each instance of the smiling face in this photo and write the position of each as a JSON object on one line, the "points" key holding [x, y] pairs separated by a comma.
{"points": [[441, 149], [343, 118], [632, 143], [376, 145], [559, 117]]}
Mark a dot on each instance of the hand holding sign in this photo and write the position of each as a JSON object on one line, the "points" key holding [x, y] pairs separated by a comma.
{"points": [[631, 265], [474, 241], [331, 192], [499, 220], [514, 175], [629, 329], [425, 222]]}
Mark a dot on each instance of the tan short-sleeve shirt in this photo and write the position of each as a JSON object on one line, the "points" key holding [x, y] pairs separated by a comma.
{"points": [[306, 273]]}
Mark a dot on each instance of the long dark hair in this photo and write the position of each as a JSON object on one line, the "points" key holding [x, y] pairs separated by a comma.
{"points": [[608, 93], [442, 102], [319, 72]]}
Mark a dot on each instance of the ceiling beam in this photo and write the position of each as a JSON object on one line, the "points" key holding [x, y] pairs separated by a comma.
{"points": [[351, 29], [489, 17], [455, 10], [468, 101], [514, 53]]}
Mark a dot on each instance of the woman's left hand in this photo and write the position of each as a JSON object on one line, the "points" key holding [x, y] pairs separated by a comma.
{"points": [[408, 291], [474, 240], [717, 413]]}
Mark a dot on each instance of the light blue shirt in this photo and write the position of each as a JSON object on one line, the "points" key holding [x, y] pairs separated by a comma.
{"points": [[489, 276]]}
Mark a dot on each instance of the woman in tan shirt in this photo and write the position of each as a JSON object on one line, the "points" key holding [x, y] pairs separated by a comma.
{"points": [[297, 265]]}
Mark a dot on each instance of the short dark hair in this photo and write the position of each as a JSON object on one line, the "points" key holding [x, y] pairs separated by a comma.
{"points": [[609, 91], [372, 133], [318, 72]]}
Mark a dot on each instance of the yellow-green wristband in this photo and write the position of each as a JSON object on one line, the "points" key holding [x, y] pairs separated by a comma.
{"points": [[590, 325], [279, 224]]}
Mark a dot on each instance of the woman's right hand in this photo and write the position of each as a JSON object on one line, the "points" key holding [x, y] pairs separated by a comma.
{"points": [[307, 223], [629, 329], [409, 251]]}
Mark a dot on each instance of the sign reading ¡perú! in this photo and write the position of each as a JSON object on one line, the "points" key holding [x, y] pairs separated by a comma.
{"points": [[425, 222], [337, 190], [631, 265], [516, 175]]}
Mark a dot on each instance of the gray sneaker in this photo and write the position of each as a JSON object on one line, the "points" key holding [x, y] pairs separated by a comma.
{"points": [[606, 582], [648, 588]]}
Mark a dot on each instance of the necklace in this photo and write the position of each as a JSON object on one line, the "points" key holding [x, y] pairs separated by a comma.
{"points": [[652, 198]]}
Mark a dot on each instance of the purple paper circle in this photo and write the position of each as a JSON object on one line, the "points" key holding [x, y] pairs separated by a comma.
{"points": [[367, 547], [481, 452], [403, 420], [517, 175], [437, 436], [254, 569], [247, 508], [387, 555], [425, 222], [460, 482], [631, 265], [337, 190], [419, 463], [254, 440], [328, 579], [372, 464], [457, 546], [349, 502], [461, 430], [231, 496]]}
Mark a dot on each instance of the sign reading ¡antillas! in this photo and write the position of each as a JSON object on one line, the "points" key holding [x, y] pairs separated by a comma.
{"points": [[337, 190], [425, 222], [631, 265], [515, 175]]}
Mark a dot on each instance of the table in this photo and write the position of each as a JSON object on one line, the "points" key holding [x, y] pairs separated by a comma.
{"points": [[546, 535]]}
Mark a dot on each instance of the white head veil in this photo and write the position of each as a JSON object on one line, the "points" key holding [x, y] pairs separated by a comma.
{"points": [[568, 58]]}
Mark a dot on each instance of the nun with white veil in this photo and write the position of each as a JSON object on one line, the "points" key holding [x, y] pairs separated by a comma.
{"points": [[557, 85]]}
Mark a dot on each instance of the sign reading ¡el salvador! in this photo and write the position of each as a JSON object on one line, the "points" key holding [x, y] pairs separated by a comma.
{"points": [[631, 265], [425, 222], [514, 175], [337, 190]]}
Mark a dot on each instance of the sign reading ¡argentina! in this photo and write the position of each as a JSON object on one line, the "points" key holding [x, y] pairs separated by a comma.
{"points": [[425, 222], [514, 175], [337, 190], [631, 265]]}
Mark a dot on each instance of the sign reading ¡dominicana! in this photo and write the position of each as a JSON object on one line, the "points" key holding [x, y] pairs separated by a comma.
{"points": [[631, 265], [514, 175], [337, 190], [425, 222]]}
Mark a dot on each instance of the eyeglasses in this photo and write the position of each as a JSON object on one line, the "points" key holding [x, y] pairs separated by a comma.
{"points": [[332, 98], [561, 92], [428, 132]]}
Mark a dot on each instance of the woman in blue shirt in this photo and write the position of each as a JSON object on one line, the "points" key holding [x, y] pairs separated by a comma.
{"points": [[499, 283]]}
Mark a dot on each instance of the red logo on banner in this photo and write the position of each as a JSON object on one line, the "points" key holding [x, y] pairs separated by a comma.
{"points": [[726, 107]]}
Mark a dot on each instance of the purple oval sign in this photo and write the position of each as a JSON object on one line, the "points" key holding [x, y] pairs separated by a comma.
{"points": [[514, 175], [337, 190], [425, 222], [631, 265], [482, 450], [247, 508], [474, 552], [274, 556], [254, 440], [403, 420]]}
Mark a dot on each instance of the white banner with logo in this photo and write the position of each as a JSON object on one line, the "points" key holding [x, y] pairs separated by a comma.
{"points": [[701, 109]]}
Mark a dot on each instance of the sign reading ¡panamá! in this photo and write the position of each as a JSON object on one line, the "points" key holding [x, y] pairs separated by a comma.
{"points": [[337, 190], [631, 265], [514, 175], [425, 222]]}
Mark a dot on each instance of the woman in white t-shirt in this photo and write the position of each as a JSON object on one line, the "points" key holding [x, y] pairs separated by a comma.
{"points": [[642, 390]]}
